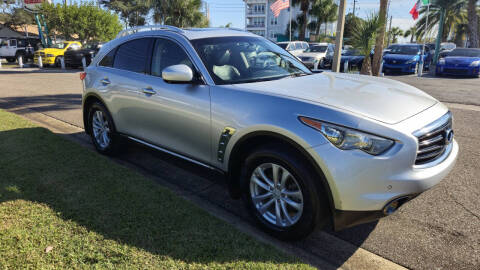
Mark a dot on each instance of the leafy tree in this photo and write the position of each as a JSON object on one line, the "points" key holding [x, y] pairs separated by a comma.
{"points": [[85, 22], [180, 13], [351, 22], [132, 12], [380, 39], [324, 11], [395, 32], [411, 32], [304, 7], [364, 39]]}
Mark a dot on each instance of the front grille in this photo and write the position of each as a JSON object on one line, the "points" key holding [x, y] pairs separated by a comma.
{"points": [[37, 54], [395, 62], [434, 139], [456, 71]]}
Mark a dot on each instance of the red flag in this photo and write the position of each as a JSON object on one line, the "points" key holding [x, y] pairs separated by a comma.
{"points": [[278, 6], [414, 10]]}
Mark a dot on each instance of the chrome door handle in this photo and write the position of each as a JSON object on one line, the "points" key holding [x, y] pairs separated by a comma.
{"points": [[105, 81], [149, 91]]}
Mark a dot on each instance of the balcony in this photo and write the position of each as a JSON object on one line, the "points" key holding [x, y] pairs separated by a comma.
{"points": [[258, 25]]}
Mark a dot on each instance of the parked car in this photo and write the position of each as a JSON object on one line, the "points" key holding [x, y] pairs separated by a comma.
{"points": [[314, 56], [294, 47], [301, 149], [404, 58], [353, 57], [12, 48], [73, 58], [460, 61], [51, 56]]}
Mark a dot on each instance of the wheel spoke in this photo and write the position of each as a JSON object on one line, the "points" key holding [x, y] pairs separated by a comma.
{"points": [[105, 138], [96, 125], [285, 213], [275, 171], [289, 193], [264, 177], [293, 204], [285, 175], [260, 198], [260, 183], [265, 207], [278, 213]]}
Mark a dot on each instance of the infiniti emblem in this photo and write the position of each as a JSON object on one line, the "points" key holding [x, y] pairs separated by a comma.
{"points": [[448, 136]]}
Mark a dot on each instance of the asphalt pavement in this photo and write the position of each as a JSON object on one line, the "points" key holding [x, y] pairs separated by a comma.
{"points": [[440, 229]]}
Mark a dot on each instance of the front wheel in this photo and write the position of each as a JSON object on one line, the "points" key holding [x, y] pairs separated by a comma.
{"points": [[58, 62], [11, 59], [321, 64], [102, 130], [280, 193]]}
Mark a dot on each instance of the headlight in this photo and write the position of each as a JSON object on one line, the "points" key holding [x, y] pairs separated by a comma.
{"points": [[441, 61], [349, 139], [475, 63], [411, 61], [50, 55]]}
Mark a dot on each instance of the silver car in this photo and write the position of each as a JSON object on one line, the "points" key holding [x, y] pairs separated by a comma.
{"points": [[301, 149]]}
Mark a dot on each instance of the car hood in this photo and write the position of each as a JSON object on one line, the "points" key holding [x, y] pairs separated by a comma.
{"points": [[311, 54], [380, 99], [51, 51], [460, 59], [400, 56]]}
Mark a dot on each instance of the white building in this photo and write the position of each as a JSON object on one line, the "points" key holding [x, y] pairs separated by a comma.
{"points": [[259, 19]]}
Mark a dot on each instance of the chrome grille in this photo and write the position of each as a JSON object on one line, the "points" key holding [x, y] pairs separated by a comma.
{"points": [[434, 139]]}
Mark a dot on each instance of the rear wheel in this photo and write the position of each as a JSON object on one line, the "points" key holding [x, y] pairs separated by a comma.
{"points": [[11, 59], [280, 193], [102, 130]]}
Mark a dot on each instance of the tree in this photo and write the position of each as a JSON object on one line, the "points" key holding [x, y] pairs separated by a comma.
{"points": [[411, 32], [351, 22], [473, 29], [378, 54], [304, 7], [364, 39], [132, 12], [324, 11], [395, 32], [85, 22], [180, 13]]}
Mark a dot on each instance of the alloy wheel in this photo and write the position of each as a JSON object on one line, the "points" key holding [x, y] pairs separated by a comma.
{"points": [[276, 195], [101, 129]]}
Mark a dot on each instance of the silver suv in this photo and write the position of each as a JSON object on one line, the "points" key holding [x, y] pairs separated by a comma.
{"points": [[301, 149]]}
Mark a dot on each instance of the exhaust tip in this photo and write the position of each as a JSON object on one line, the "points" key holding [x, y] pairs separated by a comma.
{"points": [[393, 206]]}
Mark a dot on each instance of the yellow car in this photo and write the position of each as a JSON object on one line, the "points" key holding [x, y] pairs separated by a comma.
{"points": [[51, 56]]}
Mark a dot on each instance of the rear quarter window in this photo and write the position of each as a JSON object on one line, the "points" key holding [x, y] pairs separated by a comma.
{"points": [[107, 60], [133, 55]]}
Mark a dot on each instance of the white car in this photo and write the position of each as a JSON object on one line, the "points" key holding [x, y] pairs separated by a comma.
{"points": [[294, 47], [314, 56]]}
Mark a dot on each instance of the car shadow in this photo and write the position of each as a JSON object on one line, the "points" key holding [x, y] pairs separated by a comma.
{"points": [[123, 207], [42, 103]]}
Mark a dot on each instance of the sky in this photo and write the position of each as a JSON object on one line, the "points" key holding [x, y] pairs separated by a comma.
{"points": [[233, 11]]}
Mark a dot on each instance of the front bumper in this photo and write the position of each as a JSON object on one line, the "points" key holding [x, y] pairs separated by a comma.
{"points": [[45, 60], [461, 71], [400, 68]]}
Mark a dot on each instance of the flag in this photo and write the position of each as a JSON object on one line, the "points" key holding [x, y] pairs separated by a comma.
{"points": [[278, 6], [416, 7]]}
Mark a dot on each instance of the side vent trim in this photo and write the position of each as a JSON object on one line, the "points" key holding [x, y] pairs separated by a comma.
{"points": [[227, 133]]}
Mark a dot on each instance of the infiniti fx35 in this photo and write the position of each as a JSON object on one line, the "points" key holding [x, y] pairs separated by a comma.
{"points": [[303, 150]]}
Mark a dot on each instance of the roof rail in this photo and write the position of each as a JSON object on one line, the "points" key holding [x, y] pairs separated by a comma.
{"points": [[142, 28]]}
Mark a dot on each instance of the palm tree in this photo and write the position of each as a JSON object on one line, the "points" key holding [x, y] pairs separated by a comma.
{"points": [[411, 32], [304, 7], [456, 13], [377, 55], [394, 33], [473, 34], [324, 11], [364, 39]]}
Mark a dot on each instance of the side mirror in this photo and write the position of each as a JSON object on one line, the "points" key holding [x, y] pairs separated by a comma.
{"points": [[177, 73]]}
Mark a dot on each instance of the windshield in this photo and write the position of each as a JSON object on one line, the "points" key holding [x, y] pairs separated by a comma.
{"points": [[409, 49], [316, 48], [233, 60], [283, 45], [352, 52], [60, 45], [465, 52]]}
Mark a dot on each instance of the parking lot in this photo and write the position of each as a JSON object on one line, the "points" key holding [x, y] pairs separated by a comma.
{"points": [[440, 229]]}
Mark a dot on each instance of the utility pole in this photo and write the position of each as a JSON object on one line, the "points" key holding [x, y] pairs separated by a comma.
{"points": [[354, 7], [339, 36]]}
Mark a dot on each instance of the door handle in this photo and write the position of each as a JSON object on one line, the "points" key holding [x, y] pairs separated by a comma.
{"points": [[105, 81], [149, 91]]}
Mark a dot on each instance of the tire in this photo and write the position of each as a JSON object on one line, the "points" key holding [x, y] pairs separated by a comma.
{"points": [[322, 64], [302, 220], [11, 59], [104, 137], [57, 62]]}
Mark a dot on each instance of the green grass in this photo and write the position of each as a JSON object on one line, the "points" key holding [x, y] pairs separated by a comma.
{"points": [[97, 214]]}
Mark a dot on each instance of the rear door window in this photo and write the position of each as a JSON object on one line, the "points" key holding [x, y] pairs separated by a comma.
{"points": [[133, 55]]}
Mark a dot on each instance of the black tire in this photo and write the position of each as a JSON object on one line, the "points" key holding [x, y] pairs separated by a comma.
{"points": [[315, 205], [57, 62], [114, 139], [11, 59], [321, 64]]}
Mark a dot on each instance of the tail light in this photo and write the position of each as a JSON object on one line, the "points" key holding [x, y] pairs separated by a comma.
{"points": [[83, 75]]}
